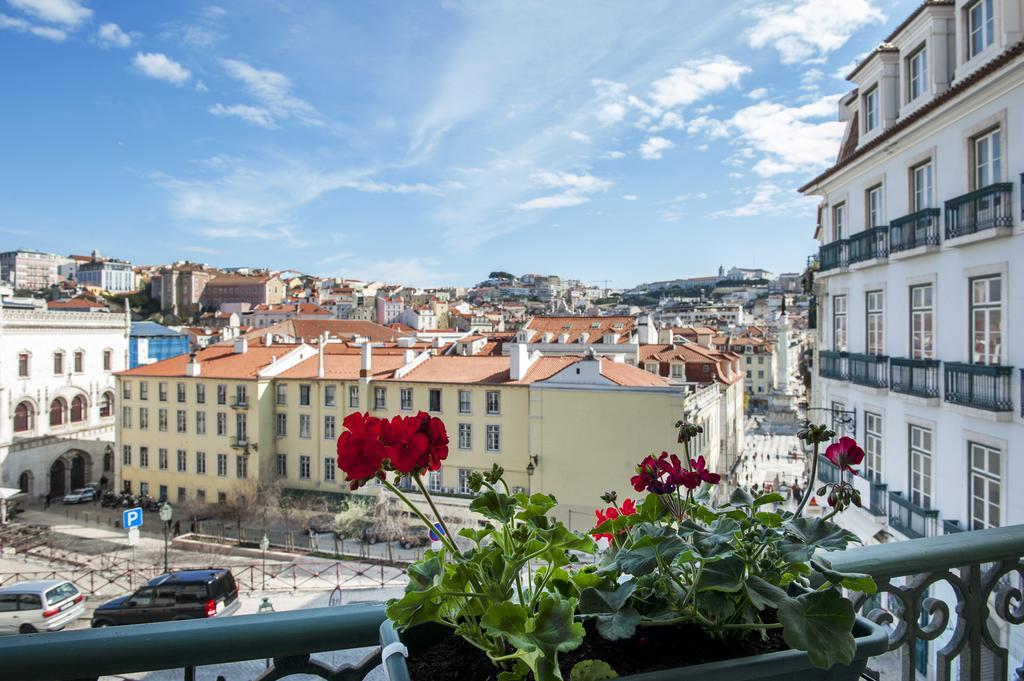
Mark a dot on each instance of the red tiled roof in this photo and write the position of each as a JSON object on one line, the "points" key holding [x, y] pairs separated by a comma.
{"points": [[335, 328], [576, 326]]}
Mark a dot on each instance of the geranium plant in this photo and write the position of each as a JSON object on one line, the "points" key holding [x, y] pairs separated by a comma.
{"points": [[509, 594], [736, 569]]}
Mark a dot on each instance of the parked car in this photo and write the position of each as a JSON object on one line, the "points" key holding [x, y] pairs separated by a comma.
{"points": [[45, 605], [186, 595], [81, 495], [322, 523], [415, 536], [372, 535]]}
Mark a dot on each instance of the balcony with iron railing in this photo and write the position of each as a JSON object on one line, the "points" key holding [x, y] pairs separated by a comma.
{"points": [[951, 527], [828, 472], [951, 590], [987, 209], [869, 370], [878, 502], [917, 230], [981, 386], [834, 365], [834, 256], [910, 519], [918, 377], [871, 244]]}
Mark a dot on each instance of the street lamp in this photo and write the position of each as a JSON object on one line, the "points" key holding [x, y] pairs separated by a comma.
{"points": [[264, 545], [165, 515], [530, 468]]}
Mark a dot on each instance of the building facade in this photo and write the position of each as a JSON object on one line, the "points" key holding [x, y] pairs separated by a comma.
{"points": [[116, 276], [31, 270], [151, 342], [236, 288], [180, 287]]}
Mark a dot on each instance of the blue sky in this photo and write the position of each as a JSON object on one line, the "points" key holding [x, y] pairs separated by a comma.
{"points": [[426, 142]]}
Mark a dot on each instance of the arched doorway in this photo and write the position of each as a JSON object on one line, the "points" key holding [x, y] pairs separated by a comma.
{"points": [[58, 472], [77, 471], [25, 483]]}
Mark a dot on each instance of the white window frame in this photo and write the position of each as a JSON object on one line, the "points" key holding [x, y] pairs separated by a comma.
{"points": [[353, 397], [465, 402], [985, 482], [987, 309], [987, 156], [980, 27], [917, 73], [921, 186], [493, 402], [305, 467], [380, 397], [875, 203], [838, 221], [874, 322], [922, 321], [305, 426], [873, 435], [871, 110], [839, 323], [493, 437], [405, 399], [465, 436], [330, 469], [922, 465]]}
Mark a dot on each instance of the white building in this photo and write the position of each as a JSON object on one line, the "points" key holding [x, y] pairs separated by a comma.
{"points": [[31, 270], [919, 290], [57, 400], [116, 276]]}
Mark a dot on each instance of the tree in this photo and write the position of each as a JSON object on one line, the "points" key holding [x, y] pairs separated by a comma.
{"points": [[501, 275]]}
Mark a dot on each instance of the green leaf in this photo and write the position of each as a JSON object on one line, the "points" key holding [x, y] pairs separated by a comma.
{"points": [[723, 575], [588, 578], [651, 509], [494, 505], [642, 555], [772, 498], [506, 619], [805, 535], [534, 506], [621, 625], [741, 497], [763, 594], [820, 623], [769, 519], [476, 535], [554, 629], [854, 581], [594, 601], [592, 670]]}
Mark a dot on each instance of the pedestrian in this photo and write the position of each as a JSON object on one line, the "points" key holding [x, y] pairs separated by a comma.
{"points": [[46, 503], [177, 528]]}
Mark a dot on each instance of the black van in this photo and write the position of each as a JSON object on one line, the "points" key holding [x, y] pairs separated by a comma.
{"points": [[186, 595]]}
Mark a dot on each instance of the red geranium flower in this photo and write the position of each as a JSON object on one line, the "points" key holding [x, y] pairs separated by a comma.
{"points": [[676, 474], [649, 476], [699, 466], [611, 513], [845, 454], [360, 453]]}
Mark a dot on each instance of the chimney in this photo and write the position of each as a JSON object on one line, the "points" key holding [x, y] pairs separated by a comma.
{"points": [[241, 346], [520, 361], [367, 363], [192, 368], [268, 339], [408, 356], [320, 361]]}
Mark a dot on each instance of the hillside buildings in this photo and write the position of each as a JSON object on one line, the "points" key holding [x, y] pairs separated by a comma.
{"points": [[150, 342], [179, 288], [108, 274], [258, 289], [30, 270]]}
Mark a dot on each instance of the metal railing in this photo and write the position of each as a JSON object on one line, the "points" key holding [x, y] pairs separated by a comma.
{"points": [[878, 504], [869, 370], [914, 230], [912, 520], [982, 386], [918, 377], [986, 208], [835, 365], [951, 527], [869, 244], [834, 255], [828, 472]]}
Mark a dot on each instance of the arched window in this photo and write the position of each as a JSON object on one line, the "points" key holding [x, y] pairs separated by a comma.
{"points": [[107, 405], [57, 412], [78, 409], [24, 417]]}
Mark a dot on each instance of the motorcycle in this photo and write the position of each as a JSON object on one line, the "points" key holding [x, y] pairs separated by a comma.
{"points": [[109, 500]]}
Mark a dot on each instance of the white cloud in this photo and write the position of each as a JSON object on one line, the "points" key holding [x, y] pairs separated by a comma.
{"points": [[251, 114], [585, 184], [273, 90], [613, 154], [630, 197], [20, 25], [111, 35], [577, 136], [161, 67], [201, 86], [712, 127], [669, 120], [200, 249], [758, 93], [564, 200], [769, 198], [802, 30], [611, 113], [789, 139], [654, 147], [695, 79], [68, 13]]}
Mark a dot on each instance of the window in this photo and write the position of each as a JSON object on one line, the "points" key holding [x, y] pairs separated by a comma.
{"points": [[493, 438], [980, 27], [23, 365], [143, 488], [353, 396], [162, 420], [161, 459], [200, 423], [988, 156], [126, 390], [58, 363], [126, 417], [79, 361], [241, 423], [304, 426], [493, 402], [304, 395], [329, 396], [282, 465], [464, 481], [222, 424], [651, 367], [330, 428], [838, 422], [921, 184], [838, 221], [304, 467], [676, 369], [281, 394], [126, 455], [922, 322], [200, 393], [78, 409], [873, 447], [434, 481], [201, 495], [921, 466], [201, 463], [405, 399], [57, 412], [986, 320], [875, 322], [222, 394], [760, 373], [181, 495], [435, 399], [241, 396], [380, 397], [871, 109], [144, 390], [182, 461], [222, 498], [282, 425], [465, 402], [839, 323], [182, 421], [873, 202], [24, 417], [161, 391], [985, 486], [465, 436], [917, 74], [181, 392], [143, 457], [330, 469], [144, 418], [241, 466]]}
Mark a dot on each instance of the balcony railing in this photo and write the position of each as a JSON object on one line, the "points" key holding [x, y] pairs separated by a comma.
{"points": [[912, 520], [828, 472], [950, 588], [834, 255], [951, 527], [835, 365], [914, 230], [869, 244], [240, 442], [986, 208], [919, 377], [982, 386], [869, 370], [879, 503], [240, 403]]}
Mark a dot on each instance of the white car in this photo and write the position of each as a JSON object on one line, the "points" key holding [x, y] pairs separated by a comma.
{"points": [[80, 496], [45, 605]]}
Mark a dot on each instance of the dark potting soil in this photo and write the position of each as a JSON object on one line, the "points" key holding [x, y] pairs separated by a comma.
{"points": [[651, 649]]}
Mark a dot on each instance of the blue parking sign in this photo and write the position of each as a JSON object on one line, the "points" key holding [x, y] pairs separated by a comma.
{"points": [[132, 517]]}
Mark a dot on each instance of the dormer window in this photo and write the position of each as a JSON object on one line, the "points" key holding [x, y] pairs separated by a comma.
{"points": [[871, 109], [917, 74], [980, 27]]}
